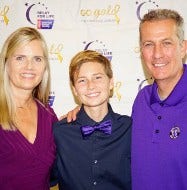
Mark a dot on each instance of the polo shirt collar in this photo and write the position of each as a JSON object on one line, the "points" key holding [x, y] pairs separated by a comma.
{"points": [[176, 95]]}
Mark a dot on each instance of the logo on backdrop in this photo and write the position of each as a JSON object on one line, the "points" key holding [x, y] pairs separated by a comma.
{"points": [[144, 6], [109, 14], [39, 14], [51, 98], [55, 50], [117, 93], [144, 82], [3, 15], [98, 46]]}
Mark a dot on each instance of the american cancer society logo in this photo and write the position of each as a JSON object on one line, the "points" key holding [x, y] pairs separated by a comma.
{"points": [[51, 98], [39, 14]]}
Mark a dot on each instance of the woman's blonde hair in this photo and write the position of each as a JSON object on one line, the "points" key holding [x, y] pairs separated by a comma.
{"points": [[20, 37]]}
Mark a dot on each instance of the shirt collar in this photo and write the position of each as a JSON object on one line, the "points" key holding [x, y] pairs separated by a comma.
{"points": [[84, 119], [175, 96]]}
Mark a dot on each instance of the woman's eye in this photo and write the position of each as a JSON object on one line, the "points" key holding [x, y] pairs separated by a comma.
{"points": [[38, 59], [19, 58]]}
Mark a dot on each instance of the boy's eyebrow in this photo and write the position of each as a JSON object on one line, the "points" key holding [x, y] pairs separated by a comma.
{"points": [[99, 73]]}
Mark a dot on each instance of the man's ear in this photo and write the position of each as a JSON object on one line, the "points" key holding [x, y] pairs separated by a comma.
{"points": [[184, 49]]}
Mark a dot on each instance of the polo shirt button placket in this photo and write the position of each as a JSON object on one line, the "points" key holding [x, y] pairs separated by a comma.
{"points": [[161, 104], [159, 117], [157, 131]]}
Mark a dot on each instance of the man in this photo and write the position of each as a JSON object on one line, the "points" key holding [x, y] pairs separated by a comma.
{"points": [[159, 136], [93, 152]]}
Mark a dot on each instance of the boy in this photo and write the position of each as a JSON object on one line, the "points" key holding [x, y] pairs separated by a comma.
{"points": [[93, 152]]}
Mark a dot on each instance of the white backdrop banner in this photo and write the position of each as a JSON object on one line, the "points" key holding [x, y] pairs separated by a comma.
{"points": [[107, 26]]}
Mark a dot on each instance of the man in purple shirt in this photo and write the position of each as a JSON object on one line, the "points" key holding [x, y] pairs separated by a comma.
{"points": [[159, 136]]}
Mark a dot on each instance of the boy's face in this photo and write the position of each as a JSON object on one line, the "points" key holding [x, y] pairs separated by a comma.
{"points": [[92, 85]]}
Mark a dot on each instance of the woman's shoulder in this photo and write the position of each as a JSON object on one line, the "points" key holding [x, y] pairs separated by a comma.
{"points": [[45, 108]]}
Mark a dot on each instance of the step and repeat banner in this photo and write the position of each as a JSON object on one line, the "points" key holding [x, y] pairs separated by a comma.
{"points": [[69, 26]]}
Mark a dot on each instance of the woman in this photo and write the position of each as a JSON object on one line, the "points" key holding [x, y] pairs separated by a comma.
{"points": [[27, 148]]}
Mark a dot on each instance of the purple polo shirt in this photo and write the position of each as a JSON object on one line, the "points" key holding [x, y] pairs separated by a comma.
{"points": [[159, 139]]}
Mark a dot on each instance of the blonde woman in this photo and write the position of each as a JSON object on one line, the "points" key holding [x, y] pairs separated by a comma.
{"points": [[27, 149]]}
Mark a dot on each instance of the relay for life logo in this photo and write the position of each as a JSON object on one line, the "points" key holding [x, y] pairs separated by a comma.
{"points": [[144, 6], [98, 46], [39, 14]]}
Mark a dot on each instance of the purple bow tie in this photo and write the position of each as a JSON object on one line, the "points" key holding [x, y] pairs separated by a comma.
{"points": [[105, 127]]}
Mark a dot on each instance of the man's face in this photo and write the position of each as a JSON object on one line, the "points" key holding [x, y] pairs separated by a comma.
{"points": [[161, 50]]}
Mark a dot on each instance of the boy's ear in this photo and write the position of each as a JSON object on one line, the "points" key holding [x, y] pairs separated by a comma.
{"points": [[111, 83], [111, 87], [73, 90]]}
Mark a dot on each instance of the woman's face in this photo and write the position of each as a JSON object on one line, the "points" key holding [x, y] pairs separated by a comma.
{"points": [[26, 66]]}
